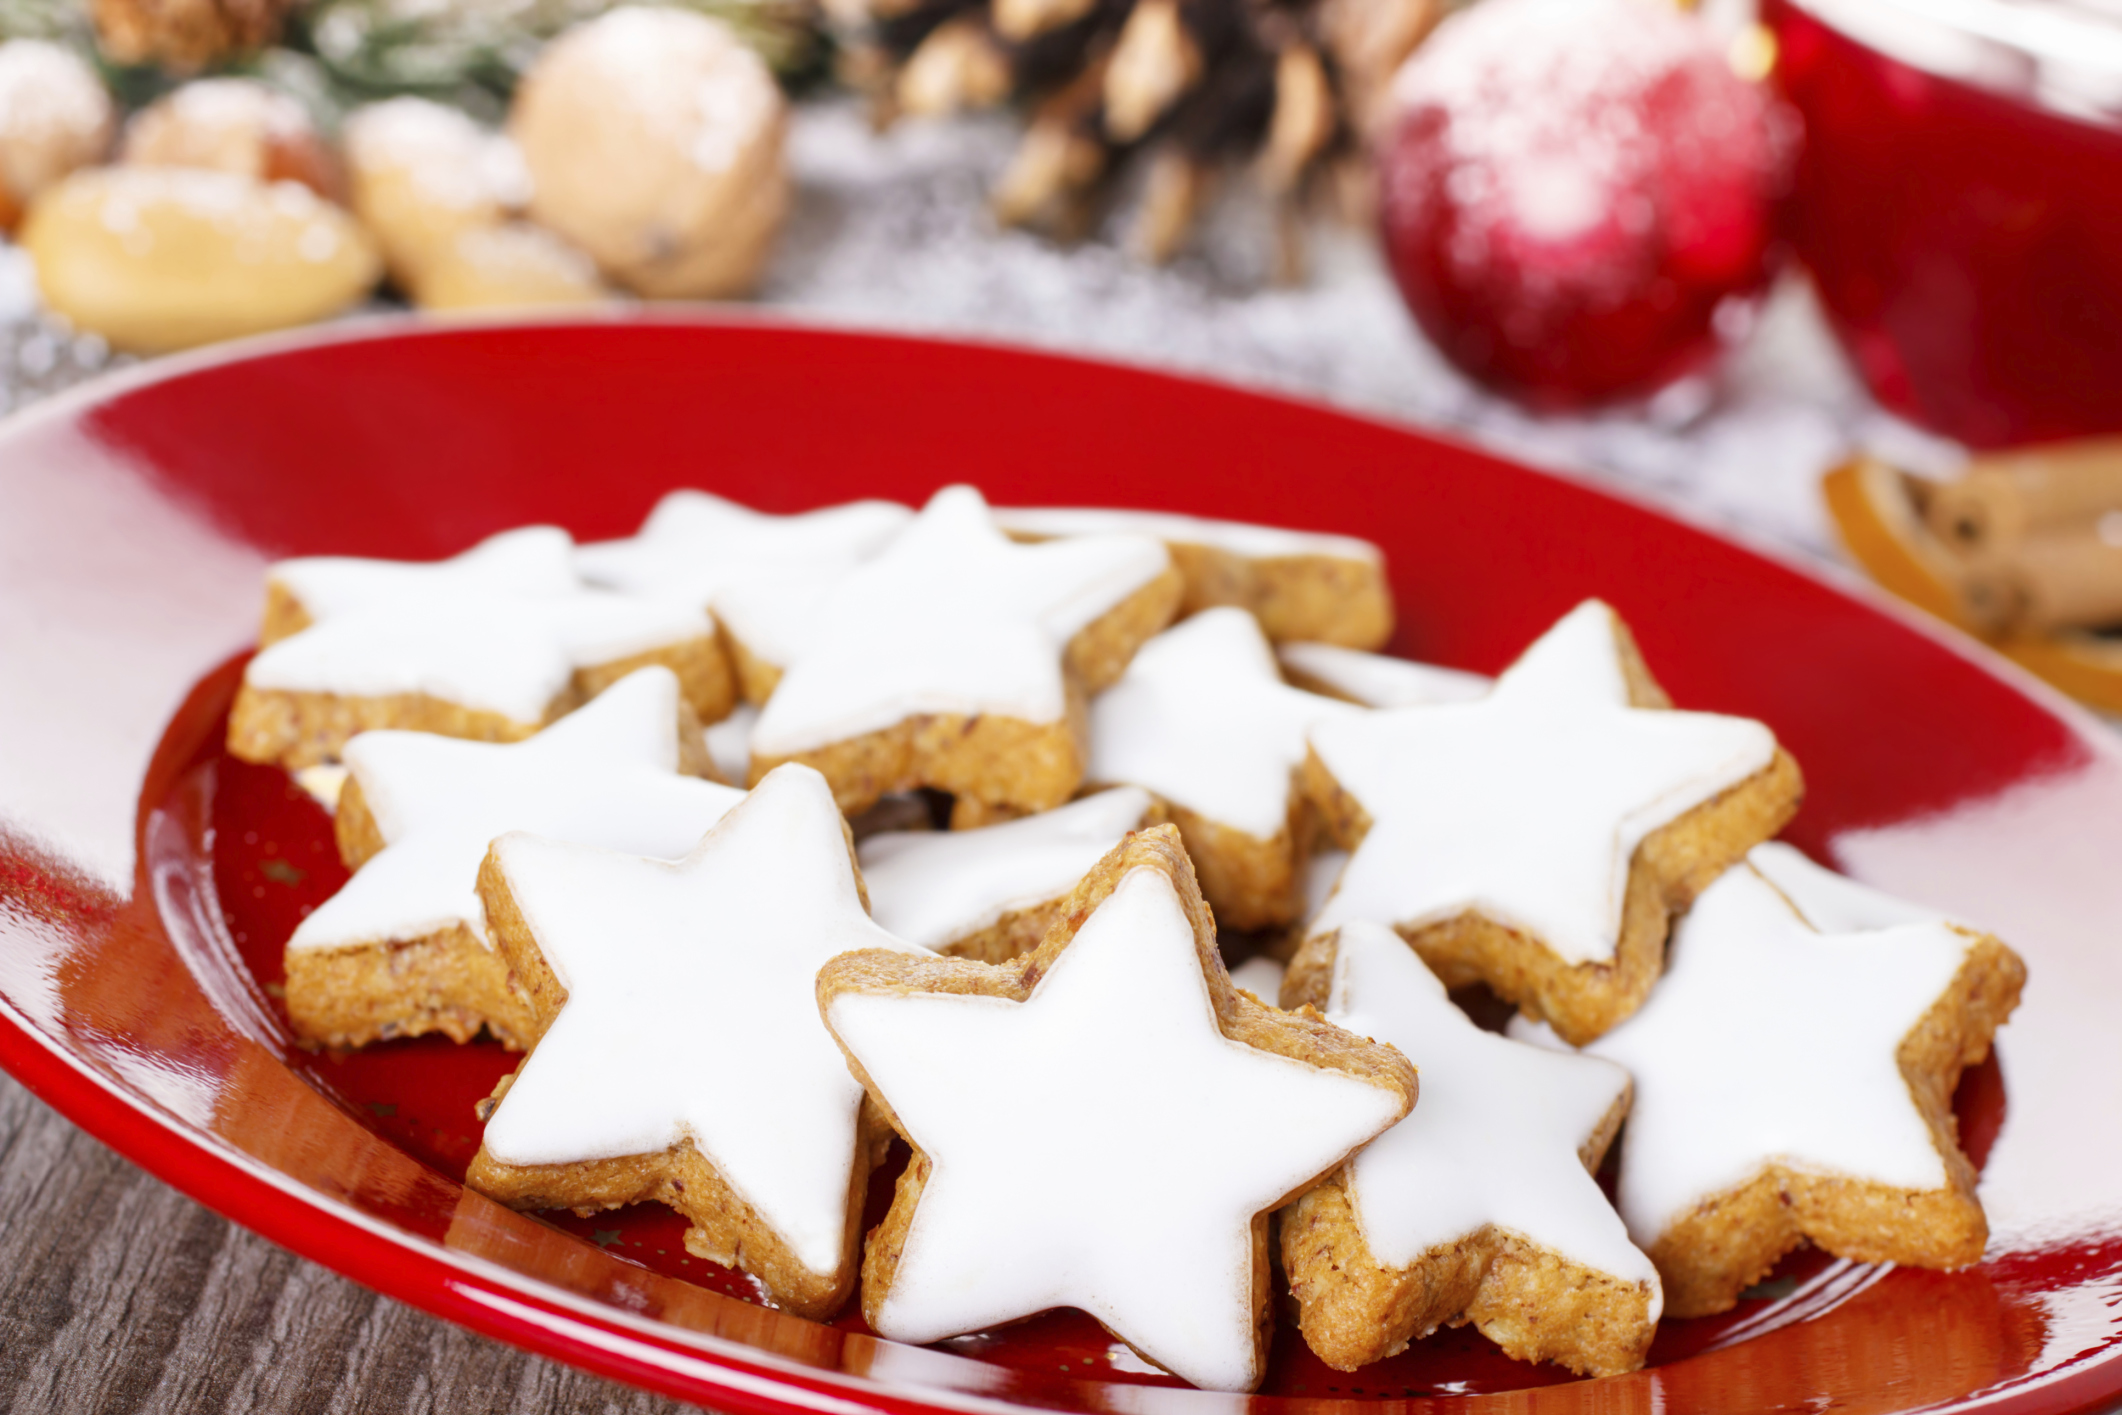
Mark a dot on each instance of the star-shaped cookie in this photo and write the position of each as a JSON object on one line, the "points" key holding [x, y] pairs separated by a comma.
{"points": [[1203, 719], [681, 1057], [530, 561], [958, 659], [1480, 1206], [1796, 1084], [1538, 839], [759, 574], [403, 947], [992, 893], [489, 647], [1103, 1124]]}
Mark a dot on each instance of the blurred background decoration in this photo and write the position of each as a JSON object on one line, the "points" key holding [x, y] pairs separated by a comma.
{"points": [[1291, 90], [526, 152], [1710, 248]]}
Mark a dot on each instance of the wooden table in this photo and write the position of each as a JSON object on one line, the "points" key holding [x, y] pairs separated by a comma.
{"points": [[118, 1293]]}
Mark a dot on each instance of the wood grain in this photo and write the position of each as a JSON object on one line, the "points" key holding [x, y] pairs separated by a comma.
{"points": [[119, 1294]]}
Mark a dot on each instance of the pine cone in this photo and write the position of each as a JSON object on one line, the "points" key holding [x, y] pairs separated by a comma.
{"points": [[184, 36], [1292, 89]]}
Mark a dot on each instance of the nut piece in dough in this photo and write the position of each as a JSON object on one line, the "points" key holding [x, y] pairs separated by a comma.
{"points": [[233, 125], [159, 258], [654, 142], [422, 174], [54, 117], [517, 266]]}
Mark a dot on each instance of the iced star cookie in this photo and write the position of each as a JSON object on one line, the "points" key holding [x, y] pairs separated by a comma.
{"points": [[680, 1057], [1538, 839], [404, 948], [757, 573], [992, 893], [530, 562], [1203, 719], [959, 660], [1299, 584], [1480, 1206], [1794, 1079], [490, 646], [1103, 1124], [1375, 679]]}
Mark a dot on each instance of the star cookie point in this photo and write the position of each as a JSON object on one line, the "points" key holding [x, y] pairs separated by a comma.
{"points": [[1297, 584], [992, 893]]}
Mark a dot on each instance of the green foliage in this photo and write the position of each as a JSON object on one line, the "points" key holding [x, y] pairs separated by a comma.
{"points": [[459, 49], [336, 54]]}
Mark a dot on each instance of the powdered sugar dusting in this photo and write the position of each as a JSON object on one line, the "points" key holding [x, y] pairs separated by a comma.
{"points": [[525, 252], [254, 218], [54, 114], [239, 104], [1543, 118], [687, 78], [454, 161]]}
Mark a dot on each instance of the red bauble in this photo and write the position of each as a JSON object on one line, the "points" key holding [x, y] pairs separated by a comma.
{"points": [[1578, 195]]}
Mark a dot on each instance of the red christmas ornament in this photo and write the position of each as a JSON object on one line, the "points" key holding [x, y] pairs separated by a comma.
{"points": [[1578, 195]]}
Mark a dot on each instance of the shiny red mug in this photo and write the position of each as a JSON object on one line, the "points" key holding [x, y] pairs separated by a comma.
{"points": [[1959, 204]]}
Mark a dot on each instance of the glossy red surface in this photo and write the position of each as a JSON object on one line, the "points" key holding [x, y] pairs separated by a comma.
{"points": [[1569, 229], [1967, 245], [146, 1010]]}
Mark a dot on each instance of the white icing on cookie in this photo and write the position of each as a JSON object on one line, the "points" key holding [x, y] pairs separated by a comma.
{"points": [[954, 618], [323, 782], [597, 626], [778, 616], [1768, 1041], [1203, 718], [693, 546], [729, 742], [1495, 1138], [511, 656], [606, 775], [691, 1011], [1527, 806], [934, 887], [1102, 1145], [1830, 902], [481, 655], [1321, 873], [500, 628], [531, 561], [1380, 680], [1237, 537], [1261, 976]]}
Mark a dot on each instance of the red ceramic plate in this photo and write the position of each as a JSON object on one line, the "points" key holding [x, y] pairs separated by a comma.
{"points": [[147, 881]]}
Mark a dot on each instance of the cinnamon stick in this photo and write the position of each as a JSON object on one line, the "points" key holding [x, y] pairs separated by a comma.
{"points": [[2058, 579], [2006, 498]]}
